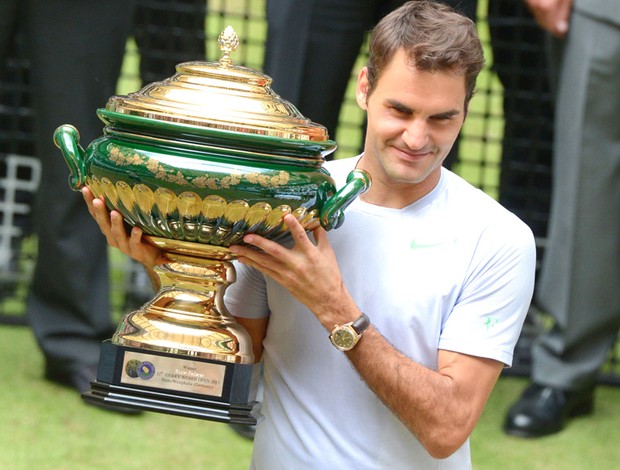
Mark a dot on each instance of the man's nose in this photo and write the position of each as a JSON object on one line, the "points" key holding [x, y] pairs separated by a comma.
{"points": [[416, 134]]}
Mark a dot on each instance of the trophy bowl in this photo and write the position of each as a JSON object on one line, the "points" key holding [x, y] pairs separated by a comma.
{"points": [[197, 161]]}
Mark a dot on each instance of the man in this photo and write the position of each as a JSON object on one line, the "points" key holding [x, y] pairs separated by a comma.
{"points": [[580, 273], [443, 273]]}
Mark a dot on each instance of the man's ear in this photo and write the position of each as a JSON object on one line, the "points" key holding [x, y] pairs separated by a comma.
{"points": [[361, 89]]}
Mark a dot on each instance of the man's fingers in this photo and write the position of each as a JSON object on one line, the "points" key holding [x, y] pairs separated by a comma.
{"points": [[142, 251], [118, 235], [273, 249], [88, 198], [101, 215], [112, 226], [267, 249], [294, 226], [297, 231], [320, 236]]}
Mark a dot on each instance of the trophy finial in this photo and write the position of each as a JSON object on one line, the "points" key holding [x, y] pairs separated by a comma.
{"points": [[228, 41]]}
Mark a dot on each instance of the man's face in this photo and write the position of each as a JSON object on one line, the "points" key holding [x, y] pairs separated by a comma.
{"points": [[414, 117]]}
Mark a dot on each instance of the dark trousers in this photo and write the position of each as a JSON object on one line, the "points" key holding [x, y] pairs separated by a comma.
{"points": [[75, 48]]}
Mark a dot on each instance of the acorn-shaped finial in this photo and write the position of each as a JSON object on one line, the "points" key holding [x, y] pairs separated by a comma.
{"points": [[228, 41]]}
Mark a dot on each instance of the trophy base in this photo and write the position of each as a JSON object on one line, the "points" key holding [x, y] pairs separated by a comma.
{"points": [[173, 384]]}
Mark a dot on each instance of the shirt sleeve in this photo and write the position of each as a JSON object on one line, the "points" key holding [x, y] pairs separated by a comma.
{"points": [[489, 314]]}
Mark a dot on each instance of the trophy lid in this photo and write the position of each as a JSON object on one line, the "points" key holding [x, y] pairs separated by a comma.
{"points": [[219, 96]]}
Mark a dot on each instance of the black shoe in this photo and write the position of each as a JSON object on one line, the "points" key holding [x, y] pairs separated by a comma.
{"points": [[544, 410], [79, 379]]}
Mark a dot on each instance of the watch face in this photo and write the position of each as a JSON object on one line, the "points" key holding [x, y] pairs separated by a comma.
{"points": [[344, 338]]}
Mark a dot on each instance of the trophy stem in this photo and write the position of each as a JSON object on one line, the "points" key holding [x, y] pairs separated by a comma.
{"points": [[188, 315]]}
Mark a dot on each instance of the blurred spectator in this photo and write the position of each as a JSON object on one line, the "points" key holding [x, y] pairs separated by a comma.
{"points": [[580, 273], [75, 50]]}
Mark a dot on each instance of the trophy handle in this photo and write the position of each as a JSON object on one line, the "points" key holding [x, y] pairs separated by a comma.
{"points": [[332, 213], [67, 139]]}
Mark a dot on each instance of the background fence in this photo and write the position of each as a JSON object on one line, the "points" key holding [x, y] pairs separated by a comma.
{"points": [[504, 148]]}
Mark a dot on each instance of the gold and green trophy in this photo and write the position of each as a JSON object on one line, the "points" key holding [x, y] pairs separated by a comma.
{"points": [[197, 161]]}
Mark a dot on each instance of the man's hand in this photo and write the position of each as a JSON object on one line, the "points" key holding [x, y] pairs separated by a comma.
{"points": [[552, 15], [308, 270], [112, 226]]}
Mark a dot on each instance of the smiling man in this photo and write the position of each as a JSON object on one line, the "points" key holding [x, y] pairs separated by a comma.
{"points": [[382, 340]]}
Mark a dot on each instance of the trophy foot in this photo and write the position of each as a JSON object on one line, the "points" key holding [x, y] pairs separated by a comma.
{"points": [[167, 383], [102, 393]]}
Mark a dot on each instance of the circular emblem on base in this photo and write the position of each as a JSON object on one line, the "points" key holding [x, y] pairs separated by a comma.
{"points": [[146, 370]]}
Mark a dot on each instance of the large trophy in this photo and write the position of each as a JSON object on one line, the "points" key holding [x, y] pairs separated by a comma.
{"points": [[197, 161]]}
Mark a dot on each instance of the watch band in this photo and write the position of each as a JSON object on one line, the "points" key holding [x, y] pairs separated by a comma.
{"points": [[361, 324]]}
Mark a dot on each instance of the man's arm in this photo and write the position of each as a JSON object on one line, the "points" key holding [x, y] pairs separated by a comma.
{"points": [[439, 407]]}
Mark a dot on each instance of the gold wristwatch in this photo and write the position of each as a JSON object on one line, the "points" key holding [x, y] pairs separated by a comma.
{"points": [[345, 337]]}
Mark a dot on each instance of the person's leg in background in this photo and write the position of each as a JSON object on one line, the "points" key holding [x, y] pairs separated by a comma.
{"points": [[520, 62], [76, 49], [580, 273], [166, 33]]}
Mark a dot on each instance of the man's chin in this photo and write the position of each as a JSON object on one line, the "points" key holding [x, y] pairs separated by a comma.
{"points": [[412, 174]]}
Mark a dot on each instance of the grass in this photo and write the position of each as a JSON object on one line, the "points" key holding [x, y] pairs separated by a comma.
{"points": [[48, 427]]}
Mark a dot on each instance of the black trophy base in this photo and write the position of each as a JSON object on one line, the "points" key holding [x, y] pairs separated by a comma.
{"points": [[167, 383], [169, 403]]}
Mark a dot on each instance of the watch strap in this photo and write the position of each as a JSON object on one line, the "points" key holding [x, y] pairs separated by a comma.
{"points": [[361, 324]]}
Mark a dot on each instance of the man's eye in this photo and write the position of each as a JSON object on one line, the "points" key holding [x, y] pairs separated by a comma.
{"points": [[399, 110]]}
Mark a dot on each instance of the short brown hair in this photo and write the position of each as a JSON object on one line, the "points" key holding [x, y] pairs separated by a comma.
{"points": [[434, 36]]}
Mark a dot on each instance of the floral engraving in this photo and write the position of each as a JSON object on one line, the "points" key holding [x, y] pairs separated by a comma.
{"points": [[121, 157]]}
